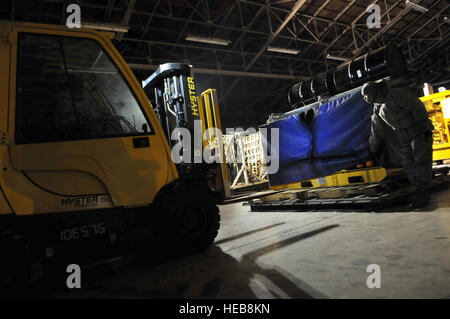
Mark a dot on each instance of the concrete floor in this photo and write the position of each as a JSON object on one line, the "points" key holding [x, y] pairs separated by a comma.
{"points": [[300, 255]]}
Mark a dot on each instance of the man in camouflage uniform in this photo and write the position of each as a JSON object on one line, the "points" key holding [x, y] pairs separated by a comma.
{"points": [[407, 116]]}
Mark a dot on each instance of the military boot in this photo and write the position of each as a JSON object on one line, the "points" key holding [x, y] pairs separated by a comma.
{"points": [[420, 198]]}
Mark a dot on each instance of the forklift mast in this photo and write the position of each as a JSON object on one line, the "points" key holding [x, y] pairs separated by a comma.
{"points": [[176, 105], [174, 98]]}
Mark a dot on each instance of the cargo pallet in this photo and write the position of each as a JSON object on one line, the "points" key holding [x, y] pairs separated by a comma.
{"points": [[390, 191]]}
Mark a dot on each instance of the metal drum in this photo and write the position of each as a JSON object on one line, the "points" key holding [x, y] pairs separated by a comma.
{"points": [[319, 85], [357, 71], [385, 61], [305, 90], [341, 79], [329, 82], [294, 94]]}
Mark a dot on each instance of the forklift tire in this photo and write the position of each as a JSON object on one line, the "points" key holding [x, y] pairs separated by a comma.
{"points": [[14, 265], [187, 218]]}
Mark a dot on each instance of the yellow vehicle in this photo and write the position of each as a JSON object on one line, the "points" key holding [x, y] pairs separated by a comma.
{"points": [[438, 107], [86, 167]]}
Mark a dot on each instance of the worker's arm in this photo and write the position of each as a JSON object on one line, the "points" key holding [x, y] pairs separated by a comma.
{"points": [[418, 109], [405, 99], [376, 134]]}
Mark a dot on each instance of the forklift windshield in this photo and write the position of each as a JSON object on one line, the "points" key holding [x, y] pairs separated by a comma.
{"points": [[69, 88]]}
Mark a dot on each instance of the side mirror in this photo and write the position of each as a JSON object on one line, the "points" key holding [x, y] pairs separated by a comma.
{"points": [[145, 128]]}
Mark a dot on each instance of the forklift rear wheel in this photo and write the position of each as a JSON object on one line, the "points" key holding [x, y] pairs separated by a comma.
{"points": [[188, 218]]}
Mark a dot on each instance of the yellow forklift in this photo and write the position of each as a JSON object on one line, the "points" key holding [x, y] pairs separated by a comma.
{"points": [[86, 166]]}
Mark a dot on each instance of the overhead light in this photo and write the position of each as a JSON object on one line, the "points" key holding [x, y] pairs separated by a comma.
{"points": [[283, 50], [416, 6], [207, 40], [105, 27], [335, 57]]}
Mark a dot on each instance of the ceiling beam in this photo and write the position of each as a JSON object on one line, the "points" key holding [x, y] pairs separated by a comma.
{"points": [[318, 11], [354, 22], [340, 14], [206, 48], [186, 24], [109, 10], [344, 32], [414, 21], [383, 30], [149, 21], [225, 27], [300, 14], [126, 17], [150, 67], [248, 26], [271, 37], [432, 46], [429, 20]]}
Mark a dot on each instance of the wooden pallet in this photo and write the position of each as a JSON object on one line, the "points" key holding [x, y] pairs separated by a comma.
{"points": [[388, 191], [249, 196]]}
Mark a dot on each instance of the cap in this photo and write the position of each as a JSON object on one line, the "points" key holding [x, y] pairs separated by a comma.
{"points": [[370, 89]]}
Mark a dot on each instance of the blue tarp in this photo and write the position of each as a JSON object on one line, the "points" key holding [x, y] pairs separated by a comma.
{"points": [[295, 140], [342, 127], [337, 138]]}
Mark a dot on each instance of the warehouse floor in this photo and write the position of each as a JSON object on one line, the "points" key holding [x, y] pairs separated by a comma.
{"points": [[298, 255]]}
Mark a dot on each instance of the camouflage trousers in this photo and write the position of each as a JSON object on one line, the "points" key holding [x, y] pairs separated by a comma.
{"points": [[417, 158]]}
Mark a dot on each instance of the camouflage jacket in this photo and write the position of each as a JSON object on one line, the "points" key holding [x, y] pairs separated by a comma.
{"points": [[403, 112]]}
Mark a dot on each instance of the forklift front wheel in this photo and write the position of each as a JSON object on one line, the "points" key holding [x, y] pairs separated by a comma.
{"points": [[188, 218]]}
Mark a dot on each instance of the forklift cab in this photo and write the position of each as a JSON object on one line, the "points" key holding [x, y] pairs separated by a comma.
{"points": [[76, 123]]}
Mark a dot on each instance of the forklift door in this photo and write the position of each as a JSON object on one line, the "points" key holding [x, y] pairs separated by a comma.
{"points": [[81, 123]]}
